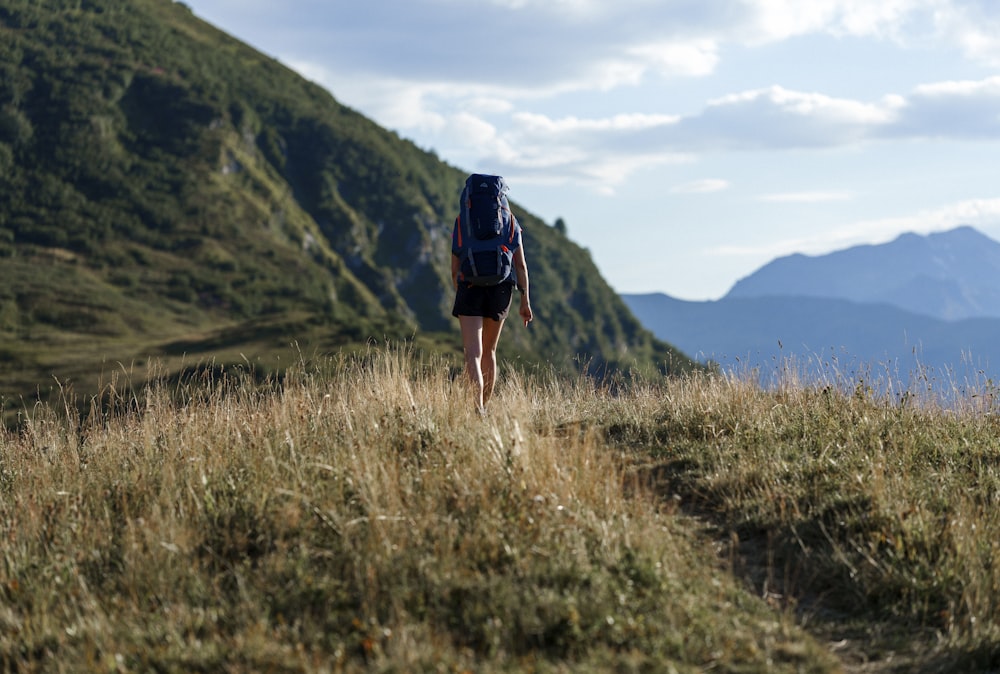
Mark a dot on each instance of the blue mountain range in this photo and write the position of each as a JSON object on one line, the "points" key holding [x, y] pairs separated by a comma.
{"points": [[948, 275], [917, 311]]}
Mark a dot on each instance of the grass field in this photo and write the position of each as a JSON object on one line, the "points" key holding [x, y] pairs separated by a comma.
{"points": [[359, 516]]}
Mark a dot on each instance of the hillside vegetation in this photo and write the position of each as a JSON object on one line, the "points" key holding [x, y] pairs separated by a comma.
{"points": [[361, 517], [171, 194]]}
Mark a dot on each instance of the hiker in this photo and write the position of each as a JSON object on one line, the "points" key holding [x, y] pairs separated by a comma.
{"points": [[487, 265]]}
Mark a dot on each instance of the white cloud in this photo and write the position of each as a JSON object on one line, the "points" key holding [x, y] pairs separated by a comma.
{"points": [[955, 109], [973, 26], [535, 123], [880, 19], [706, 186], [975, 212], [592, 45], [777, 20], [809, 105], [597, 151], [609, 149], [987, 88], [557, 47], [671, 59], [774, 20], [489, 124], [474, 131], [777, 118]]}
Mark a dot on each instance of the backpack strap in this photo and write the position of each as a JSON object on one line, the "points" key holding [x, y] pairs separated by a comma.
{"points": [[472, 262], [464, 220]]}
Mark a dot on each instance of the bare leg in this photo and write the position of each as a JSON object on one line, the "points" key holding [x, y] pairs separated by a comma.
{"points": [[472, 342], [491, 337]]}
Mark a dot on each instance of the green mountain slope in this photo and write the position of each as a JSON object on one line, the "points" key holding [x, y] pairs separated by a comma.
{"points": [[168, 193]]}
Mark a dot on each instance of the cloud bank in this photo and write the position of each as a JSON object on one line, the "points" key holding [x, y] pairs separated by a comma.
{"points": [[431, 73]]}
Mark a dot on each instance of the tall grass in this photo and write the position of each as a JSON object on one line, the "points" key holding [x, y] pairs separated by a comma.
{"points": [[359, 516], [870, 509]]}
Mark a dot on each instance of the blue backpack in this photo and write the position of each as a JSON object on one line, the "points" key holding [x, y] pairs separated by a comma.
{"points": [[485, 231]]}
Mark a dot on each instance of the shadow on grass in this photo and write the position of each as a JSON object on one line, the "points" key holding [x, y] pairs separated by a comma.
{"points": [[799, 568]]}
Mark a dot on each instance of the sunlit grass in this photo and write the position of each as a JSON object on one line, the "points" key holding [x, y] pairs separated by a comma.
{"points": [[358, 515], [868, 503]]}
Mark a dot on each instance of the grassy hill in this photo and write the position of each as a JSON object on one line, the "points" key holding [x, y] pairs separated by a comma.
{"points": [[360, 517], [171, 195]]}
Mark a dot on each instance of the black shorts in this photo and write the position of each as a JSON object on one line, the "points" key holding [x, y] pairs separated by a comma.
{"points": [[486, 301]]}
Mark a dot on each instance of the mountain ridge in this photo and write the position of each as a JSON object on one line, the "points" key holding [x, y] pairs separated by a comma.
{"points": [[949, 275], [784, 314]]}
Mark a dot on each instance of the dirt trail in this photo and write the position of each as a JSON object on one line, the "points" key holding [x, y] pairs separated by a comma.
{"points": [[861, 648]]}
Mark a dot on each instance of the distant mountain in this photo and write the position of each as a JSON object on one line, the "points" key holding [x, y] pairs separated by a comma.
{"points": [[826, 338], [168, 194], [948, 275], [918, 306]]}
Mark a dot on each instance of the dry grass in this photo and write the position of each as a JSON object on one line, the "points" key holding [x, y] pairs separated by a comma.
{"points": [[873, 515], [358, 516]]}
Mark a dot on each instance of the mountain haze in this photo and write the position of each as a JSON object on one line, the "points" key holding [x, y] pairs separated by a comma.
{"points": [[170, 194], [825, 336], [920, 306]]}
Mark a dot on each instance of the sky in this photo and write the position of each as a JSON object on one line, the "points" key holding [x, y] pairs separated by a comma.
{"points": [[684, 143]]}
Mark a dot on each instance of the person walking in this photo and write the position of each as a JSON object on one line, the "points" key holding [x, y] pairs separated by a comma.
{"points": [[484, 291]]}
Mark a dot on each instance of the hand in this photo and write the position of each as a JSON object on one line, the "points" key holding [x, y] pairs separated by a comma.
{"points": [[525, 311]]}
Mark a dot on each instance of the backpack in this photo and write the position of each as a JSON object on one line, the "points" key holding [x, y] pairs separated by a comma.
{"points": [[485, 231]]}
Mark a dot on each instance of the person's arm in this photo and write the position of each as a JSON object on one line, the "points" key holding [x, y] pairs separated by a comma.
{"points": [[521, 271], [456, 262]]}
